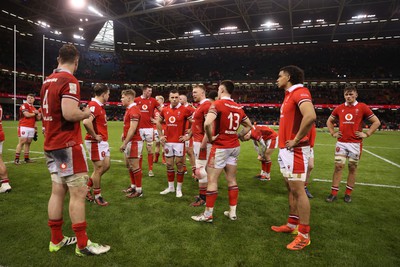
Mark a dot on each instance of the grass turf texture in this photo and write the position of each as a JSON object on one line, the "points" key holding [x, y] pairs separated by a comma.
{"points": [[156, 230]]}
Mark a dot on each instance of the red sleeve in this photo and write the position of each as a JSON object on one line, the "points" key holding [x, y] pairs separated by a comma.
{"points": [[213, 108], [244, 115], [134, 115], [335, 113], [95, 111], [302, 95], [156, 104], [162, 113], [189, 112], [367, 112], [255, 134], [71, 90]]}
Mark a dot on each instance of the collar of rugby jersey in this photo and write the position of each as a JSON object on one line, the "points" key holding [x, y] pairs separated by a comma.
{"points": [[350, 105], [294, 87], [62, 70], [97, 101], [204, 100], [131, 105], [177, 106], [227, 98]]}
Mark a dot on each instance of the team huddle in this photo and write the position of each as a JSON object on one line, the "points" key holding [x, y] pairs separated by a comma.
{"points": [[209, 134]]}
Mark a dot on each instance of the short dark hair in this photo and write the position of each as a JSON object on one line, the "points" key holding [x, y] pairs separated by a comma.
{"points": [[212, 94], [68, 53], [229, 85], [350, 88], [32, 95], [130, 92], [99, 89], [174, 91], [146, 86], [296, 74]]}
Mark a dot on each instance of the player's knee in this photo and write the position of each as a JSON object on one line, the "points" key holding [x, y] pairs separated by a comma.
{"points": [[310, 167], [353, 163], [340, 160], [78, 180], [203, 180], [339, 167], [202, 174]]}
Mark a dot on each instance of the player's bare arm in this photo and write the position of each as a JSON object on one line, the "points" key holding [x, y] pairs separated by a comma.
{"points": [[129, 135], [88, 123], [71, 111], [330, 123], [208, 126], [159, 120], [374, 126], [29, 115], [246, 128]]}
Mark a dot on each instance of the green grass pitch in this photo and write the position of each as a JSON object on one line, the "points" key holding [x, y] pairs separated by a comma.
{"points": [[156, 230]]}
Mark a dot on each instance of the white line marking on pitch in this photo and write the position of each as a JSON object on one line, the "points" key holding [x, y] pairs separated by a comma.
{"points": [[33, 152], [375, 185], [373, 154], [382, 158], [22, 161]]}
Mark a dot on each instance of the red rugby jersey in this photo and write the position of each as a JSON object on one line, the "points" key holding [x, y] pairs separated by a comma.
{"points": [[351, 119], [146, 107], [229, 117], [175, 120], [290, 117], [59, 132], [132, 113], [99, 120]]}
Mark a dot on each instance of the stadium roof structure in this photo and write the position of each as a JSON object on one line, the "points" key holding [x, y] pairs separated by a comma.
{"points": [[186, 25]]}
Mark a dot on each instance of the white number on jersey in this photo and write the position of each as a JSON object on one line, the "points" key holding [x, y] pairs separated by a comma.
{"points": [[45, 103], [234, 121]]}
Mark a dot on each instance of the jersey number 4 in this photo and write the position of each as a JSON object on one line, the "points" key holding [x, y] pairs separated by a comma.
{"points": [[45, 103]]}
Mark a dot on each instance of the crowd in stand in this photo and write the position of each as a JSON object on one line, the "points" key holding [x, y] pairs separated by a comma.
{"points": [[257, 69]]}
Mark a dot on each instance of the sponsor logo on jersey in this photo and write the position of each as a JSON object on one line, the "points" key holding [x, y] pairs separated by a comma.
{"points": [[172, 119], [348, 117]]}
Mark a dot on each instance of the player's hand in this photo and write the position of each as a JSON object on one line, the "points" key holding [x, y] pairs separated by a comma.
{"points": [[214, 138], [36, 111], [183, 138], [86, 111], [290, 144], [35, 136], [98, 138], [337, 134], [163, 140], [122, 148], [188, 131], [361, 134]]}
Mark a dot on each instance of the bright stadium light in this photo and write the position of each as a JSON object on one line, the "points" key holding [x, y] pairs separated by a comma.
{"points": [[270, 24], [193, 32], [78, 4], [95, 11], [229, 28]]}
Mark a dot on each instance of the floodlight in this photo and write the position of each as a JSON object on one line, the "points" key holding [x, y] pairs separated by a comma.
{"points": [[78, 4], [94, 10]]}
